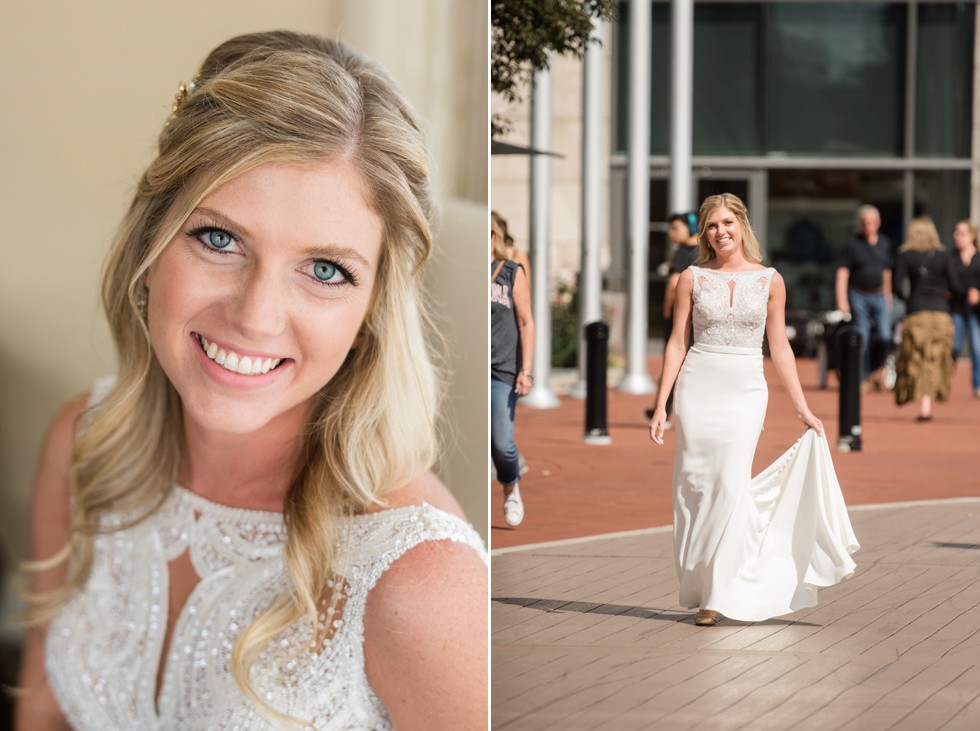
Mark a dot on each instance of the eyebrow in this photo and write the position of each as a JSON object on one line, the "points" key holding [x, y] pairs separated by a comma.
{"points": [[328, 251], [333, 251], [222, 220]]}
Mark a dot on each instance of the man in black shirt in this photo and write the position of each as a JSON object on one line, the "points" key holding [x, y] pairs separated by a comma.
{"points": [[864, 289]]}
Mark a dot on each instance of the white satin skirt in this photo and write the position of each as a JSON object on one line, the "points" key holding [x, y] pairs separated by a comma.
{"points": [[749, 548]]}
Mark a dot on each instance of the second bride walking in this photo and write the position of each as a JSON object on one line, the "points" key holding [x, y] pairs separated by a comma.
{"points": [[746, 548]]}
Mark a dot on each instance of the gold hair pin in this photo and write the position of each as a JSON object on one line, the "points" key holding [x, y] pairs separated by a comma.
{"points": [[183, 90]]}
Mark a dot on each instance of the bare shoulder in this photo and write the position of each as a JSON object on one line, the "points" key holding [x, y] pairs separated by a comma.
{"points": [[777, 281], [426, 630], [426, 488], [60, 439], [686, 278], [52, 490]]}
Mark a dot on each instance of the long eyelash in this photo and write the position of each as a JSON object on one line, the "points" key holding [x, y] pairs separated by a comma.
{"points": [[195, 233], [344, 270]]}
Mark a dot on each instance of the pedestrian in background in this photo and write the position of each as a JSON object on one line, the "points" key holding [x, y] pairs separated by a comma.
{"points": [[510, 248], [683, 234], [511, 341], [864, 290], [965, 308], [925, 278]]}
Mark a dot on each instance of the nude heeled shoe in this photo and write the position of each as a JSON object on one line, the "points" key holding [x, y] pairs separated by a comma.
{"points": [[706, 618]]}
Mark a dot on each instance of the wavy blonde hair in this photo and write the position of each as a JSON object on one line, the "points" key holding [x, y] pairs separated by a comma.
{"points": [[500, 246], [922, 236], [750, 244], [290, 98]]}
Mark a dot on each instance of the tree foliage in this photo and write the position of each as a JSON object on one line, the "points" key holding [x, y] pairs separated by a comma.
{"points": [[526, 31]]}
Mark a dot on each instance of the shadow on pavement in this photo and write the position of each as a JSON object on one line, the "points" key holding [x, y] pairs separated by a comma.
{"points": [[620, 610]]}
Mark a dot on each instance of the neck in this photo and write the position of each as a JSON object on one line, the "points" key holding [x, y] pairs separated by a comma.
{"points": [[731, 262], [251, 471]]}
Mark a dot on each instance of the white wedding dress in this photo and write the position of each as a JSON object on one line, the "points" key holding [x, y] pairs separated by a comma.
{"points": [[749, 548], [103, 649]]}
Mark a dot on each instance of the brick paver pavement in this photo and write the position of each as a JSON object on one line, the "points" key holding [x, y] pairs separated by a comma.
{"points": [[587, 633], [574, 489]]}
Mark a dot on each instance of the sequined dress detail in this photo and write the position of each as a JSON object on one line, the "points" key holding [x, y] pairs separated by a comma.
{"points": [[730, 307], [749, 548], [103, 648]]}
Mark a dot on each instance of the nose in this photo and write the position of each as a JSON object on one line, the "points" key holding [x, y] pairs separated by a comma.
{"points": [[259, 310]]}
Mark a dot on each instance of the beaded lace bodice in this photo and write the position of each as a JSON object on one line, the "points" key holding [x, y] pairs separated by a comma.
{"points": [[103, 648], [730, 307]]}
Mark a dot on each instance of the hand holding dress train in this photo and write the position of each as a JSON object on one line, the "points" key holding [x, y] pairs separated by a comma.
{"points": [[749, 548]]}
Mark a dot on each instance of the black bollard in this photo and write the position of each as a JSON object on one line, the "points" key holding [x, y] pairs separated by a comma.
{"points": [[851, 367], [596, 360]]}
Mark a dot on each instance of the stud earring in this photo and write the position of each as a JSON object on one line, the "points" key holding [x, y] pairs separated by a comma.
{"points": [[141, 299]]}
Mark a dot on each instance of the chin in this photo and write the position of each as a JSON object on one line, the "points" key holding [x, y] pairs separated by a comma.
{"points": [[232, 422], [240, 416]]}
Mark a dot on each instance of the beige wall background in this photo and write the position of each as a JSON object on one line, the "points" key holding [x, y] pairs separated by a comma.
{"points": [[87, 89]]}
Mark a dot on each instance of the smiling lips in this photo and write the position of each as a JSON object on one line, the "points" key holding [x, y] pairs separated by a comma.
{"points": [[231, 361]]}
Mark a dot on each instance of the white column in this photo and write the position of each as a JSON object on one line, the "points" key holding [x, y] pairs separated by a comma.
{"points": [[681, 104], [541, 396], [636, 379], [590, 276]]}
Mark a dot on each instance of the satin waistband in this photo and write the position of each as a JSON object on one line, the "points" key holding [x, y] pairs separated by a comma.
{"points": [[728, 349]]}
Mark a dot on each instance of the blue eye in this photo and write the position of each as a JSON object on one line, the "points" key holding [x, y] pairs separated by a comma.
{"points": [[324, 270], [218, 239]]}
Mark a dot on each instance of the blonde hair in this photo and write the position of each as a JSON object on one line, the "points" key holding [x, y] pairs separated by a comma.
{"points": [[922, 236], [500, 246], [297, 99], [750, 244]]}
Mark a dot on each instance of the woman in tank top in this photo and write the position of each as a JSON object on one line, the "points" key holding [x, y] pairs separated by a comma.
{"points": [[511, 346]]}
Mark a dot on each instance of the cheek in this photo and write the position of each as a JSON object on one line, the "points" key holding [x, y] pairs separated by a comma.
{"points": [[331, 333], [172, 296]]}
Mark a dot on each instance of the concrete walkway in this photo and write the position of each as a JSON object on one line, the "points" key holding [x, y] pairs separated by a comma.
{"points": [[587, 635], [586, 632]]}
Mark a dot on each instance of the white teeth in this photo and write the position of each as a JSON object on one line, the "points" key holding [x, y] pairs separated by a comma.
{"points": [[232, 361]]}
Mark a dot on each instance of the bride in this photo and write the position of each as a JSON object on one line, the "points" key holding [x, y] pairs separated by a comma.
{"points": [[746, 548]]}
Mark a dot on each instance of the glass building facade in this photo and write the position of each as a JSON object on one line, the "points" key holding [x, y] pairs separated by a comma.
{"points": [[808, 110]]}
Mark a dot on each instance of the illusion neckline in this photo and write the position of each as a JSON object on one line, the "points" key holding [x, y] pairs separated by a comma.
{"points": [[272, 516], [737, 271]]}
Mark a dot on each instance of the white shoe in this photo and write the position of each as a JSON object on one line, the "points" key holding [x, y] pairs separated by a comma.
{"points": [[514, 508]]}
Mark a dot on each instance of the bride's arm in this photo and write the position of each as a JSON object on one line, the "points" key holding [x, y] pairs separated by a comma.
{"points": [[674, 352], [782, 353]]}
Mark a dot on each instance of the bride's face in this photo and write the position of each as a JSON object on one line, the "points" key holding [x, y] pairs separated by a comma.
{"points": [[724, 232], [257, 301]]}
